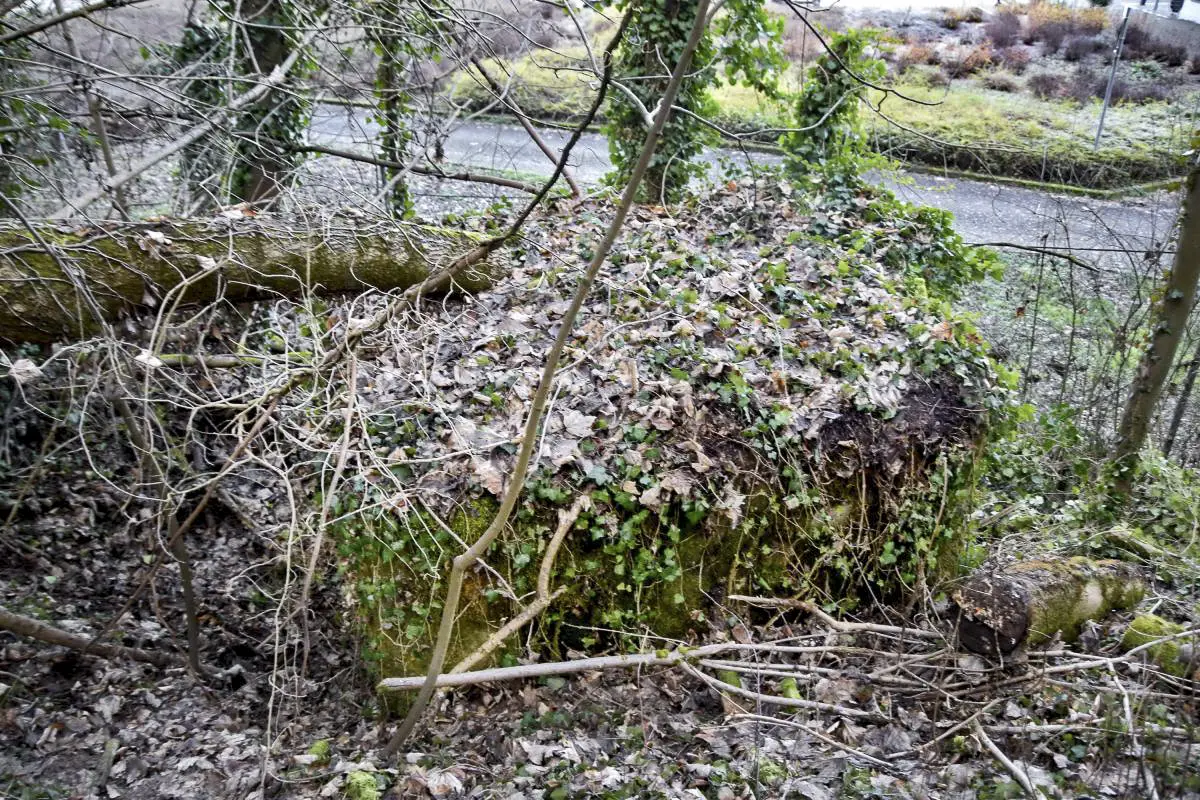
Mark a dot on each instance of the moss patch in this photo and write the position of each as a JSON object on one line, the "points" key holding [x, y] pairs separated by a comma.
{"points": [[1085, 590], [1147, 628], [362, 786]]}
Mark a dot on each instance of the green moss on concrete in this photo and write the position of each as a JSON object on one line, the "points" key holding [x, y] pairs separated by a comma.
{"points": [[1147, 628], [362, 786], [864, 504], [1084, 590], [626, 569], [394, 571]]}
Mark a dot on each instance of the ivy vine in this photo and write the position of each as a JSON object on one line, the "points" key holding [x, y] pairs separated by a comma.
{"points": [[744, 40], [827, 150], [223, 52]]}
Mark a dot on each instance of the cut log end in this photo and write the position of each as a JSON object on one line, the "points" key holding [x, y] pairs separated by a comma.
{"points": [[1031, 602]]}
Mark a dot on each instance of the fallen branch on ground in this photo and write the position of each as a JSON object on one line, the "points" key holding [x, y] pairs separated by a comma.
{"points": [[36, 629]]}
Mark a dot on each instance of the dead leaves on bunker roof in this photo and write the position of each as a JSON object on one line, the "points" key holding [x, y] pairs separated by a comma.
{"points": [[709, 331]]}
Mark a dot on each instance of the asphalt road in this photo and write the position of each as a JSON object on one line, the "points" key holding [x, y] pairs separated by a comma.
{"points": [[984, 212]]}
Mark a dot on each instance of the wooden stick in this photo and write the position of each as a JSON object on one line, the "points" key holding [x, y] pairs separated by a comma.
{"points": [[790, 702], [529, 437], [508, 100], [35, 629], [526, 671], [566, 518], [61, 17], [416, 169], [837, 625], [1019, 774]]}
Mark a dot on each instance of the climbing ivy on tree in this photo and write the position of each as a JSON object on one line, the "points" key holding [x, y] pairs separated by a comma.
{"points": [[744, 40], [392, 110], [393, 113], [827, 150], [223, 53]]}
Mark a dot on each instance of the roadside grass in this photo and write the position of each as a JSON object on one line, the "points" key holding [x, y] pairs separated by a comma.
{"points": [[987, 131], [970, 128]]}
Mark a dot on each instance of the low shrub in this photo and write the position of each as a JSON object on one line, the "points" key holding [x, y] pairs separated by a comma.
{"points": [[1085, 84], [1080, 47], [952, 18], [977, 58], [1003, 28], [1145, 70], [1053, 34], [1136, 42], [1089, 21], [1194, 66], [1014, 59], [1000, 82], [1051, 22], [916, 54], [1172, 55], [1140, 46], [963, 61], [926, 76], [1135, 92], [1046, 86]]}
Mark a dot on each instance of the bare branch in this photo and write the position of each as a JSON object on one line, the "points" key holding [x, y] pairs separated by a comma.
{"points": [[36, 629], [63, 16]]}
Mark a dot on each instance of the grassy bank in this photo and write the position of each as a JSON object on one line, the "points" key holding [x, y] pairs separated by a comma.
{"points": [[969, 127]]}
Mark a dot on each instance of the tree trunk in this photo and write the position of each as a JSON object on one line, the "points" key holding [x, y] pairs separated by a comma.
{"points": [[35, 629], [1185, 394], [93, 273], [393, 134], [1030, 602], [1167, 328], [264, 161]]}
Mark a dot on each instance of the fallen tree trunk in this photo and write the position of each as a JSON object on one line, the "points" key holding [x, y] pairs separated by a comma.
{"points": [[1030, 602], [60, 280]]}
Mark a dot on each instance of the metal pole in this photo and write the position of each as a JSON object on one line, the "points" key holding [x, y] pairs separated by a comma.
{"points": [[1112, 77]]}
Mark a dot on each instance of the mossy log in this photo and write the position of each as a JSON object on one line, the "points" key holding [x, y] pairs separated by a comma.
{"points": [[1030, 602], [60, 280]]}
